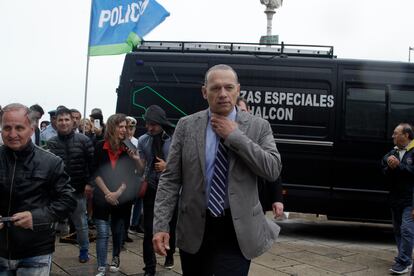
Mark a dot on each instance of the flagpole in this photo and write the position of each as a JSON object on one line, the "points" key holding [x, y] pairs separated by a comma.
{"points": [[87, 68]]}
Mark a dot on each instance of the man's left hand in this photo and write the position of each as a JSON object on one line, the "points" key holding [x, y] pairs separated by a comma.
{"points": [[159, 165], [23, 220], [222, 126]]}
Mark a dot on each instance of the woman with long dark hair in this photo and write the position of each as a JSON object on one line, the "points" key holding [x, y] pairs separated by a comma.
{"points": [[117, 172]]}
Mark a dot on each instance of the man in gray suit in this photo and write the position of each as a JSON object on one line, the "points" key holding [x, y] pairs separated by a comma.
{"points": [[219, 229]]}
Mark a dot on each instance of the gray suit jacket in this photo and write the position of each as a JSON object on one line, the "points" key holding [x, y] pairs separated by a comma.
{"points": [[252, 153]]}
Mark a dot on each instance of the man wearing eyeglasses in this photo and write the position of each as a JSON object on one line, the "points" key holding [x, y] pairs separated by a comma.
{"points": [[398, 168]]}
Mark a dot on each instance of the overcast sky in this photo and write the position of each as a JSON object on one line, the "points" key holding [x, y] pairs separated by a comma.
{"points": [[44, 43]]}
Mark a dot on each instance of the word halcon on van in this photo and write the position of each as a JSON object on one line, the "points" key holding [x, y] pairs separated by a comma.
{"points": [[263, 103]]}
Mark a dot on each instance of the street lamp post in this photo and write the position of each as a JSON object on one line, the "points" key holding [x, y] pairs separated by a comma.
{"points": [[271, 6]]}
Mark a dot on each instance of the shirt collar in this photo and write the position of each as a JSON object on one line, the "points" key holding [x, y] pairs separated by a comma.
{"points": [[231, 116], [113, 156], [24, 152]]}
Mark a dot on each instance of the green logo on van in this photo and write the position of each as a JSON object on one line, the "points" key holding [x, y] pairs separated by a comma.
{"points": [[148, 89]]}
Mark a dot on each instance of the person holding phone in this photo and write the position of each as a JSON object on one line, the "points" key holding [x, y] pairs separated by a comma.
{"points": [[98, 125], [117, 172]]}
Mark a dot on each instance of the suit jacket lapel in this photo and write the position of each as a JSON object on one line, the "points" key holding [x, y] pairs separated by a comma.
{"points": [[200, 127], [242, 122]]}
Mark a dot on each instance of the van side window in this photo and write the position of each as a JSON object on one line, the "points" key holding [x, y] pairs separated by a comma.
{"points": [[402, 106], [365, 114]]}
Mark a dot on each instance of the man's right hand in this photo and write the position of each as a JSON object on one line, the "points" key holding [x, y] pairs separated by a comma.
{"points": [[97, 131], [222, 126], [393, 162], [161, 243]]}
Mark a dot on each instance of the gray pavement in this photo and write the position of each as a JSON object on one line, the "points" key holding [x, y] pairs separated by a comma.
{"points": [[307, 246]]}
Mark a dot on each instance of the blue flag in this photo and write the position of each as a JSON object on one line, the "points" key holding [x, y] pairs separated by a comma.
{"points": [[117, 26]]}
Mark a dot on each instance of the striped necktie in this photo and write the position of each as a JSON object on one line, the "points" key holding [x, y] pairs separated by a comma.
{"points": [[218, 182]]}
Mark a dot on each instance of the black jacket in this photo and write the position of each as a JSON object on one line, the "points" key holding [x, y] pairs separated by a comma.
{"points": [[124, 172], [76, 151], [32, 180], [400, 179]]}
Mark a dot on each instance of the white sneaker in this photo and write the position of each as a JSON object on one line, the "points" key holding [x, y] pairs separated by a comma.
{"points": [[115, 264], [101, 271]]}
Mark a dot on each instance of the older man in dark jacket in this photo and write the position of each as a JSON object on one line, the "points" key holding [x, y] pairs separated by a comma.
{"points": [[34, 194], [76, 150], [398, 167]]}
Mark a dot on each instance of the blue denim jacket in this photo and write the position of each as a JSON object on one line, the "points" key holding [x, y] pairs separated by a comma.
{"points": [[145, 152]]}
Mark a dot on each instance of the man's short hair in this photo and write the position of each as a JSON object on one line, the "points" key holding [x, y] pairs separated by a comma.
{"points": [[37, 108], [17, 106], [74, 110], [220, 67], [60, 106], [52, 113], [407, 129], [96, 110], [241, 99], [63, 111]]}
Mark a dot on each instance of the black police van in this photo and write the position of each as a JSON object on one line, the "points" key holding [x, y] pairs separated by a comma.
{"points": [[332, 118]]}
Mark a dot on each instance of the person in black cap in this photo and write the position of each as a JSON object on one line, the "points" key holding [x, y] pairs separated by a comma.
{"points": [[153, 148], [96, 110]]}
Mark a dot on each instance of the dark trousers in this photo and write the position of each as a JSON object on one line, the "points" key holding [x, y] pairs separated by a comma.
{"points": [[119, 216], [126, 223], [219, 254], [404, 233], [150, 260]]}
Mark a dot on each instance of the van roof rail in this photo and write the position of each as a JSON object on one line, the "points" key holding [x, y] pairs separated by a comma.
{"points": [[237, 48]]}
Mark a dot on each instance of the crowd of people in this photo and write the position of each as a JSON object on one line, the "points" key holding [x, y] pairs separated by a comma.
{"points": [[203, 185], [97, 172]]}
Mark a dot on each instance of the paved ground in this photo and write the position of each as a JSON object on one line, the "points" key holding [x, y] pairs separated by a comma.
{"points": [[307, 246]]}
